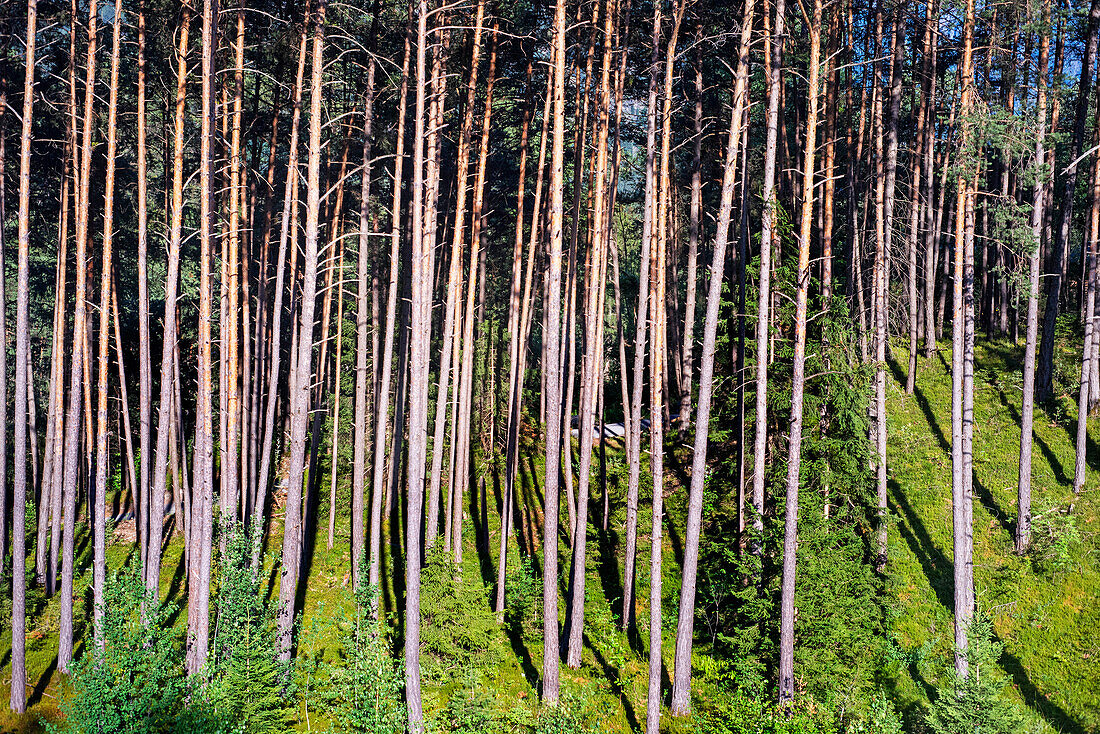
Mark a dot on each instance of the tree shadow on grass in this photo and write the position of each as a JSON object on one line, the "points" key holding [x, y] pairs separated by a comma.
{"points": [[611, 674], [1036, 700], [522, 652], [43, 683], [938, 569], [1051, 458]]}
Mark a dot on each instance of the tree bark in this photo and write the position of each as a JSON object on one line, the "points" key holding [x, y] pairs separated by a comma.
{"points": [[681, 683], [1027, 409], [303, 364]]}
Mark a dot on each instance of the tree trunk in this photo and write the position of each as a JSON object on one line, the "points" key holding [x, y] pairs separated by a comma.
{"points": [[1027, 409], [798, 376], [18, 697], [77, 380], [760, 442], [303, 364], [961, 499], [681, 684], [202, 508], [1044, 388]]}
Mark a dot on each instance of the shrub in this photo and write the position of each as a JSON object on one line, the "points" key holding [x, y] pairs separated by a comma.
{"points": [[365, 691], [134, 682]]}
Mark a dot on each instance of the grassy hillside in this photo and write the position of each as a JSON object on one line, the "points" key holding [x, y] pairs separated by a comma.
{"points": [[1046, 606]]}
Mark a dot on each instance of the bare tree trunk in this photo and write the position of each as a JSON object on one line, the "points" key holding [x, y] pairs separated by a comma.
{"points": [[303, 365], [145, 369], [798, 376], [1027, 409], [165, 411], [885, 160], [961, 498], [419, 348], [760, 442], [591, 375], [202, 507], [382, 404], [78, 380], [681, 684], [552, 306], [336, 388], [4, 339], [694, 233], [928, 99], [287, 236], [98, 496], [469, 344], [634, 449], [18, 697], [363, 350], [1045, 370], [1088, 386]]}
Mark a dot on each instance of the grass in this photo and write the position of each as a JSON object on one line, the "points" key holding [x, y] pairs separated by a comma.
{"points": [[1046, 617]]}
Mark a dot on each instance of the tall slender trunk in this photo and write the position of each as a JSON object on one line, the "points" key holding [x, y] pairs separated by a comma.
{"points": [[18, 697], [928, 102], [767, 233], [303, 364], [98, 496], [145, 368], [634, 444], [885, 161], [658, 347], [1089, 387], [287, 238], [77, 381], [681, 683], [363, 351], [165, 410], [798, 376], [419, 347], [591, 375], [382, 404], [694, 234], [962, 510], [469, 344], [336, 389], [3, 343], [552, 370], [202, 506], [1027, 409], [1044, 376]]}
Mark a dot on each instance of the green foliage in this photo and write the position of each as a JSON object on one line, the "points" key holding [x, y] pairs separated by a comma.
{"points": [[523, 589], [134, 683], [365, 691], [976, 704], [745, 713], [1054, 536], [247, 684], [458, 630]]}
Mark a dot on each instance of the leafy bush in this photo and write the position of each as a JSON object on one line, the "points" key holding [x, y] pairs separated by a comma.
{"points": [[976, 704], [1054, 535], [133, 683], [745, 713], [247, 684], [365, 691]]}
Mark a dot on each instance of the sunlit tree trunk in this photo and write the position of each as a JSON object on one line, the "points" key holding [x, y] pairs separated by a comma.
{"points": [[18, 697], [1027, 408], [303, 364], [681, 682], [798, 375]]}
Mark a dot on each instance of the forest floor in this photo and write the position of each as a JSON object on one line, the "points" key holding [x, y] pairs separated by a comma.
{"points": [[1046, 608]]}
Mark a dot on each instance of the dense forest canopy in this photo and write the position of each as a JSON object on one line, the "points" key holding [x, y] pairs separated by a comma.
{"points": [[359, 360]]}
